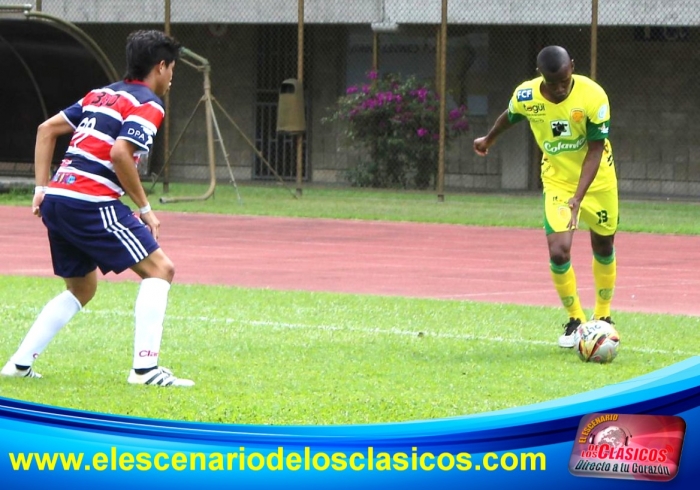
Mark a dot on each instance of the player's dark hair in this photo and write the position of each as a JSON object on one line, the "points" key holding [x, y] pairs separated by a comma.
{"points": [[145, 49], [552, 59]]}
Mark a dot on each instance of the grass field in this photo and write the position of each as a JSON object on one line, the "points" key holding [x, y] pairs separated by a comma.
{"points": [[516, 210], [289, 358]]}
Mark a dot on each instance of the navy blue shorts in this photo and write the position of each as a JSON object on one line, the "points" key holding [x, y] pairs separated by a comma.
{"points": [[85, 235]]}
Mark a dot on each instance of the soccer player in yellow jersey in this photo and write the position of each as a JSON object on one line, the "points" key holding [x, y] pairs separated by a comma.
{"points": [[569, 116]]}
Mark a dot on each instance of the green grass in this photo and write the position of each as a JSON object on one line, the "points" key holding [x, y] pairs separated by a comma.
{"points": [[270, 357], [523, 211]]}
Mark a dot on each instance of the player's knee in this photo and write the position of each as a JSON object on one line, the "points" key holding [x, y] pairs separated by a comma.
{"points": [[83, 293], [167, 270], [603, 248], [559, 256]]}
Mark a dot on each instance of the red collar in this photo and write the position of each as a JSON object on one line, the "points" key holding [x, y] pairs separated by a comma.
{"points": [[138, 82]]}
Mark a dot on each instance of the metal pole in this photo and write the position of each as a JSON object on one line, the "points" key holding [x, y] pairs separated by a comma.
{"points": [[38, 5], [166, 123], [208, 110], [594, 38], [300, 77], [438, 42], [375, 53], [443, 63], [205, 67]]}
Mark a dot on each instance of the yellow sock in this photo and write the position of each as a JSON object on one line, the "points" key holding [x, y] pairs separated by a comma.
{"points": [[565, 284], [604, 275]]}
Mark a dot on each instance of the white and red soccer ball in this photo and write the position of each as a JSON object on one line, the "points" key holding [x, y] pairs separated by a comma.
{"points": [[596, 341]]}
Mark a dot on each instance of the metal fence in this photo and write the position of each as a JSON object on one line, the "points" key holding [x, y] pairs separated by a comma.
{"points": [[359, 56]]}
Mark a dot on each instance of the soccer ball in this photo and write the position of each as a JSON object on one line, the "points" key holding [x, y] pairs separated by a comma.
{"points": [[596, 341]]}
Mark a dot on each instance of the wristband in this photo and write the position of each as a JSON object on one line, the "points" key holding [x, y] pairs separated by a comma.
{"points": [[145, 209], [40, 189]]}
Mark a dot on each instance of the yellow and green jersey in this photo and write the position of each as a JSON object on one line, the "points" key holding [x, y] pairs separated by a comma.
{"points": [[563, 131]]}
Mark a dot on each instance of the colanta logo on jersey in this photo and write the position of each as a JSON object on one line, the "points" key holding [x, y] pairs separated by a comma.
{"points": [[563, 145], [524, 94]]}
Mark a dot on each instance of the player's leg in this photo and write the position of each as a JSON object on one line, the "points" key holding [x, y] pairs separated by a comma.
{"points": [[78, 271], [559, 241], [53, 317], [600, 211], [134, 247], [157, 272], [604, 274]]}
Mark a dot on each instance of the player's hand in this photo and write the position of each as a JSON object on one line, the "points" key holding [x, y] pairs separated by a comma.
{"points": [[150, 220], [36, 202], [481, 146], [575, 206]]}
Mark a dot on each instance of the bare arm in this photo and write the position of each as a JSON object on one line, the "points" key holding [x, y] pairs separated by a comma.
{"points": [[482, 145], [46, 136], [589, 169], [122, 156]]}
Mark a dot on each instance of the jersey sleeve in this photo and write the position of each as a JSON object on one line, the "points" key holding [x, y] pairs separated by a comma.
{"points": [[73, 114], [514, 115], [598, 116], [141, 125]]}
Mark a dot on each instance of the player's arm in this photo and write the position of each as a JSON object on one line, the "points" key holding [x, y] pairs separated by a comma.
{"points": [[504, 122], [122, 156], [597, 129], [589, 169], [46, 136]]}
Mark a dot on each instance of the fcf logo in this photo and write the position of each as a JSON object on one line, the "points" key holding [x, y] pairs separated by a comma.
{"points": [[524, 94]]}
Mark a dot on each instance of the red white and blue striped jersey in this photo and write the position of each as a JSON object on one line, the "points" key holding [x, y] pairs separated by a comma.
{"points": [[126, 110]]}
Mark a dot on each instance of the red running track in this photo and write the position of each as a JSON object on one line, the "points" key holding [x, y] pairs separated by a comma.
{"points": [[656, 273]]}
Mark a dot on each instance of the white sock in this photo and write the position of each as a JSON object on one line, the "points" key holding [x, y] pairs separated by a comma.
{"points": [[150, 313], [52, 318]]}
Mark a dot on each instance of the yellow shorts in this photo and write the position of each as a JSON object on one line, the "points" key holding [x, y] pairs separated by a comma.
{"points": [[599, 210]]}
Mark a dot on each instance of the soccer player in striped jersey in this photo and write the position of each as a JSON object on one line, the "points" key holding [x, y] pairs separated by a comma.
{"points": [[569, 115], [88, 226]]}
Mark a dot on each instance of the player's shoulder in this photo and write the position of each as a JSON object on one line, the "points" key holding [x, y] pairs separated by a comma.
{"points": [[526, 91], [588, 85], [138, 92]]}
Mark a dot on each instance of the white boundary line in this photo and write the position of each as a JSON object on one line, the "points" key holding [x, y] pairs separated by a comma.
{"points": [[365, 330]]}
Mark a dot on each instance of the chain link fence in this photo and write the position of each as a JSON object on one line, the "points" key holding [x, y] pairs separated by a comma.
{"points": [[372, 76]]}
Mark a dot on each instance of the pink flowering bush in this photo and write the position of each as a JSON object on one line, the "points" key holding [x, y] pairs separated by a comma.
{"points": [[397, 122]]}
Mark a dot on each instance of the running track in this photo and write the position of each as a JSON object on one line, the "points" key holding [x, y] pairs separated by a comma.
{"points": [[656, 274]]}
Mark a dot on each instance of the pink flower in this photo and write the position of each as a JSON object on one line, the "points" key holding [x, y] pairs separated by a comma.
{"points": [[372, 75], [352, 90], [460, 125], [422, 93], [421, 132]]}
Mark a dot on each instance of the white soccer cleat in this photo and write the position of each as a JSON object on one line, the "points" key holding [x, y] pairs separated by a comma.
{"points": [[158, 376], [11, 370], [567, 339]]}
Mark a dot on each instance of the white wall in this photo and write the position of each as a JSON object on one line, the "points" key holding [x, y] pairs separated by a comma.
{"points": [[534, 12]]}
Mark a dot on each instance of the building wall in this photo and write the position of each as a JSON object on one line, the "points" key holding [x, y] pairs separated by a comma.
{"points": [[650, 77], [473, 12]]}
